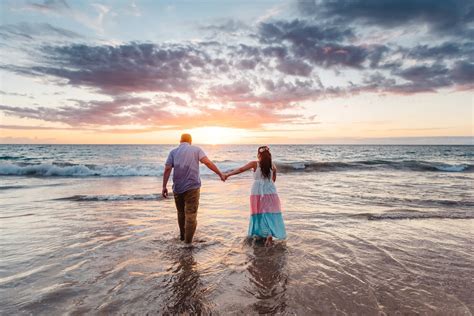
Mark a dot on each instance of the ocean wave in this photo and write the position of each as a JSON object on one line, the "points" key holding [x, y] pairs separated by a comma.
{"points": [[418, 215], [11, 187], [115, 197], [409, 165], [66, 169], [78, 170], [8, 157]]}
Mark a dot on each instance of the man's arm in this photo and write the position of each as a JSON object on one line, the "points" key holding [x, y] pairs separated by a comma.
{"points": [[212, 166], [166, 176]]}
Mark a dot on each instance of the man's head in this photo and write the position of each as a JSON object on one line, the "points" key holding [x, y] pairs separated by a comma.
{"points": [[186, 138]]}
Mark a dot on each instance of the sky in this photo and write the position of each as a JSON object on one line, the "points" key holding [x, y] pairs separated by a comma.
{"points": [[253, 72]]}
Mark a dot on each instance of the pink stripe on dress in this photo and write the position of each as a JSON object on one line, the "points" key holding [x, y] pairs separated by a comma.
{"points": [[265, 203]]}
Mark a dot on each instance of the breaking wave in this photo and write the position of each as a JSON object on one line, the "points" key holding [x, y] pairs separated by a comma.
{"points": [[90, 170], [409, 165], [419, 215], [77, 170], [115, 197], [414, 214]]}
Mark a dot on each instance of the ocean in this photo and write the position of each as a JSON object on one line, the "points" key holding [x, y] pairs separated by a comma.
{"points": [[371, 230]]}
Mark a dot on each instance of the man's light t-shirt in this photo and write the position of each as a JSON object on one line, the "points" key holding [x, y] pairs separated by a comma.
{"points": [[185, 161]]}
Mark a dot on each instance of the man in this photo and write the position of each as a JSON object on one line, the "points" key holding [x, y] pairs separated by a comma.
{"points": [[186, 183]]}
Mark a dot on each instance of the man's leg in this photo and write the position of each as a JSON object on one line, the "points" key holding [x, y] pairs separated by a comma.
{"points": [[179, 201], [191, 204]]}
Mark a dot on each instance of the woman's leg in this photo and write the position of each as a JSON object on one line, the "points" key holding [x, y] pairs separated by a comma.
{"points": [[269, 241]]}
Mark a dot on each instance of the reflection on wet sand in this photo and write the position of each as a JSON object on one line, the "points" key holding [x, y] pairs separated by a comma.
{"points": [[268, 277], [186, 292]]}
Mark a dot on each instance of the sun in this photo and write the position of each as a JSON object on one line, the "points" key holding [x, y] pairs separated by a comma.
{"points": [[214, 135]]}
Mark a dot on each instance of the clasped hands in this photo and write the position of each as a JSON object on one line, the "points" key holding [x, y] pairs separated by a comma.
{"points": [[223, 176]]}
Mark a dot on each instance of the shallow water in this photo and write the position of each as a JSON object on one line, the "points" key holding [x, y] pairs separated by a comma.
{"points": [[363, 238]]}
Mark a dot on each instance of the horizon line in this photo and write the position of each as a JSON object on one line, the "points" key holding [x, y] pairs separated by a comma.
{"points": [[404, 140]]}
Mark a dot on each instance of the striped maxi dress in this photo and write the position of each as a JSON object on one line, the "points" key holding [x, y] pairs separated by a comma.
{"points": [[265, 208]]}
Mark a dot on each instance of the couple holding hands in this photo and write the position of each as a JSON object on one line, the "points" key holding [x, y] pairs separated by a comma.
{"points": [[266, 220]]}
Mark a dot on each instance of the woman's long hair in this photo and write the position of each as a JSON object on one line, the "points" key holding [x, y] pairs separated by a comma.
{"points": [[265, 160]]}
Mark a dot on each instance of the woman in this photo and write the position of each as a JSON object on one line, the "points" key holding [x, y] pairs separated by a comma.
{"points": [[266, 220]]}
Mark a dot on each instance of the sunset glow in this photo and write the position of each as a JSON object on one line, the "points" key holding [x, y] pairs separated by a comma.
{"points": [[235, 72], [217, 135]]}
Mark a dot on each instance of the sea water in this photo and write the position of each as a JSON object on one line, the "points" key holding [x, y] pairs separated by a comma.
{"points": [[371, 229]]}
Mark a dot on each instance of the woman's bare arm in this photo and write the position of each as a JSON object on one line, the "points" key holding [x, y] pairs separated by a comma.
{"points": [[274, 176], [248, 166]]}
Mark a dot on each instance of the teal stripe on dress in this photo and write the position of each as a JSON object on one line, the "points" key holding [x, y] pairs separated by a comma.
{"points": [[266, 224]]}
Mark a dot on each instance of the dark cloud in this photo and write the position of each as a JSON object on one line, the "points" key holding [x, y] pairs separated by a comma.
{"points": [[301, 32], [121, 69], [246, 64], [448, 50], [423, 78], [420, 78], [278, 52], [423, 72], [94, 112], [450, 17], [429, 78], [341, 55], [294, 67], [463, 73], [318, 44]]}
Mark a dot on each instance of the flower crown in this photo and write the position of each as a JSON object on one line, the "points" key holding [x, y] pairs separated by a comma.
{"points": [[262, 149]]}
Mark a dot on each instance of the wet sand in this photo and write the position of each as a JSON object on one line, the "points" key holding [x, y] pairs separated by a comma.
{"points": [[121, 254]]}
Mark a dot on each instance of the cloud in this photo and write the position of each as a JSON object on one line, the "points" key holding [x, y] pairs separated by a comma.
{"points": [[13, 94], [423, 73], [319, 44], [463, 73], [82, 113], [150, 116], [331, 55], [31, 31], [254, 77], [62, 8], [448, 17], [121, 69], [301, 32], [49, 6], [447, 50], [295, 67], [420, 78], [277, 94]]}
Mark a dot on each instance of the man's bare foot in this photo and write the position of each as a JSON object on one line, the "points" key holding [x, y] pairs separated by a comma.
{"points": [[269, 241]]}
